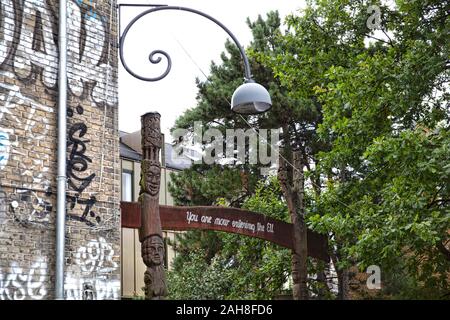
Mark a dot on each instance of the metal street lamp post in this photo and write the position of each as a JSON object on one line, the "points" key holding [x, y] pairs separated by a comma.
{"points": [[249, 98]]}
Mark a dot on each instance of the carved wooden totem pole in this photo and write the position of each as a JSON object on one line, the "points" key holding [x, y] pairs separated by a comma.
{"points": [[150, 232]]}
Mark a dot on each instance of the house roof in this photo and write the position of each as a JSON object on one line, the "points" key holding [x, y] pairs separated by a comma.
{"points": [[127, 152]]}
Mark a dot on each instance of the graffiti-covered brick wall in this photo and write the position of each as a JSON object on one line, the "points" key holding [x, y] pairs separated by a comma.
{"points": [[28, 149]]}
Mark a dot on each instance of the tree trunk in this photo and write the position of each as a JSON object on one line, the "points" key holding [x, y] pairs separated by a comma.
{"points": [[295, 200], [343, 288], [343, 279], [322, 279], [343, 275]]}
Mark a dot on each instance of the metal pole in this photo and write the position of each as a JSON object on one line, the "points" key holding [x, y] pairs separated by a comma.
{"points": [[155, 60], [62, 146]]}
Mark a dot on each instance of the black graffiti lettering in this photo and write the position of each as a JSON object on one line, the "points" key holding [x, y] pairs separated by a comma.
{"points": [[89, 204], [77, 218], [79, 109], [85, 182], [78, 161]]}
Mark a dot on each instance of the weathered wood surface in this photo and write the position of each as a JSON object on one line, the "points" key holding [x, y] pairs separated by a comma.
{"points": [[150, 232], [239, 221]]}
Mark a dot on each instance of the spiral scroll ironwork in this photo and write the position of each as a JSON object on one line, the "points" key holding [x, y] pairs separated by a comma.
{"points": [[155, 56]]}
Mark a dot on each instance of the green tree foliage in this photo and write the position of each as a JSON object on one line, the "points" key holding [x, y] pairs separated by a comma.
{"points": [[203, 184], [298, 118], [198, 279], [229, 185], [199, 184], [369, 111], [243, 268], [261, 268], [213, 99], [385, 114]]}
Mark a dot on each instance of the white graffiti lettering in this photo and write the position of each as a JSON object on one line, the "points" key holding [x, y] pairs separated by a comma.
{"points": [[7, 25], [103, 289], [96, 257], [36, 50], [20, 284], [92, 71], [4, 149], [33, 128], [44, 55]]}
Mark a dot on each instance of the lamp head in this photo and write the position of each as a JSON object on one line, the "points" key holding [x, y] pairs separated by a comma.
{"points": [[250, 98]]}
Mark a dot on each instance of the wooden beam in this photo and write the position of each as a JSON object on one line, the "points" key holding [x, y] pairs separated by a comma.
{"points": [[225, 219]]}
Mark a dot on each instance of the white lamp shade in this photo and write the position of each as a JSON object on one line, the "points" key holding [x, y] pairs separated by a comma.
{"points": [[251, 98]]}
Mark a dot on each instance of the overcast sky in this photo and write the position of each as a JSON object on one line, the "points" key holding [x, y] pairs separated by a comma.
{"points": [[192, 42]]}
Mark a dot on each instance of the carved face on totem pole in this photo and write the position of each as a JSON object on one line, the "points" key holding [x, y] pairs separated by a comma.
{"points": [[153, 251], [151, 175]]}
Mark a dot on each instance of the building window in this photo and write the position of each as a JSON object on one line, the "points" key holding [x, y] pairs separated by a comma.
{"points": [[127, 185]]}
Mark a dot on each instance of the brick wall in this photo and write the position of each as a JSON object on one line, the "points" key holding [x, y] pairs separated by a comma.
{"points": [[28, 149]]}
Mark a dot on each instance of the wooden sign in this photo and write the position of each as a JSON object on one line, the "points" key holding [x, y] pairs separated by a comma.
{"points": [[225, 219]]}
